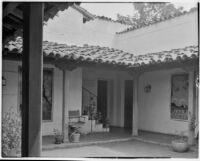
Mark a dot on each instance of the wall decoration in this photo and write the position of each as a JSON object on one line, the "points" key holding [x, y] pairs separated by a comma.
{"points": [[47, 94], [179, 97], [147, 88]]}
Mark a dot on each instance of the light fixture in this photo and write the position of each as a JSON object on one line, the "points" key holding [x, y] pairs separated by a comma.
{"points": [[3, 81], [147, 88]]}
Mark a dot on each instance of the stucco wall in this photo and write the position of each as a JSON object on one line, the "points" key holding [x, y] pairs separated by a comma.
{"points": [[75, 86], [10, 92], [170, 34], [74, 32], [154, 107], [10, 97], [115, 90]]}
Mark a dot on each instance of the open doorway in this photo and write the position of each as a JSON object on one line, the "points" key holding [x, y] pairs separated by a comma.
{"points": [[102, 97], [128, 104]]}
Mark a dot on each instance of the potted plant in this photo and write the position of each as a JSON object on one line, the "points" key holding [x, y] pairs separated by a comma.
{"points": [[180, 143], [106, 122], [98, 117], [11, 133], [75, 134], [58, 136]]}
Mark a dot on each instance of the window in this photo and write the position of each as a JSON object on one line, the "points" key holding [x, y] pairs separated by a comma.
{"points": [[47, 93], [179, 97]]}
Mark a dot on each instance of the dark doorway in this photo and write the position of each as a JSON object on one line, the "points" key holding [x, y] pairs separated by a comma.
{"points": [[128, 104], [102, 97]]}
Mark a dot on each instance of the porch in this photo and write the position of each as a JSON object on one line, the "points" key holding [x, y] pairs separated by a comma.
{"points": [[116, 134]]}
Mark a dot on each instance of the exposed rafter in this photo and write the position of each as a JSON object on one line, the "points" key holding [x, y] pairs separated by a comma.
{"points": [[18, 13], [9, 8]]}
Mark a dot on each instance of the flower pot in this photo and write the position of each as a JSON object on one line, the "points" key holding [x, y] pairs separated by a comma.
{"points": [[75, 138], [180, 145], [58, 139]]}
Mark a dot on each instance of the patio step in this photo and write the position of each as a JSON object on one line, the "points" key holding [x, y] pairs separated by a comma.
{"points": [[91, 124]]}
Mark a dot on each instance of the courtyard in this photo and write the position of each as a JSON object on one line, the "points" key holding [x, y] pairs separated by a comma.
{"points": [[132, 148]]}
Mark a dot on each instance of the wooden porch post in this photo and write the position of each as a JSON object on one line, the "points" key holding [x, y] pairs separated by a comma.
{"points": [[135, 105], [32, 65], [65, 104], [191, 103]]}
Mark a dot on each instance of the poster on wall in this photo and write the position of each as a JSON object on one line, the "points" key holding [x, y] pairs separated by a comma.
{"points": [[179, 97]]}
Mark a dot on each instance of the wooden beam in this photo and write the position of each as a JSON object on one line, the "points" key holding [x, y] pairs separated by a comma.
{"points": [[13, 17], [191, 106], [9, 8], [17, 13], [32, 65]]}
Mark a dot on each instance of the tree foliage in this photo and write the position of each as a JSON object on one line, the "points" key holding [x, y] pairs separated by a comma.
{"points": [[145, 13]]}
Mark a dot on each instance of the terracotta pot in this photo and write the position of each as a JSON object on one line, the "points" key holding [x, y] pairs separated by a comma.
{"points": [[59, 139], [75, 138], [180, 146]]}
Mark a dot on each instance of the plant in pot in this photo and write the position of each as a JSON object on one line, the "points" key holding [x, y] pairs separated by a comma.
{"points": [[180, 143], [98, 117], [58, 136], [11, 133], [106, 122], [75, 134]]}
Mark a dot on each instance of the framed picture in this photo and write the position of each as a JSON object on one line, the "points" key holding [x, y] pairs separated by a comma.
{"points": [[179, 97], [47, 94]]}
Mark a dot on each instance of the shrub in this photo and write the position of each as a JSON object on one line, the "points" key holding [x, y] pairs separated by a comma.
{"points": [[11, 132]]}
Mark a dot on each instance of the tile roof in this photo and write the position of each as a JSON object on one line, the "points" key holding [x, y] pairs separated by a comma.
{"points": [[97, 54], [157, 21], [110, 19]]}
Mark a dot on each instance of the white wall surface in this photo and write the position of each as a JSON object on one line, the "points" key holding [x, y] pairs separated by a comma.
{"points": [[10, 92], [69, 28], [115, 91], [10, 96], [75, 86], [174, 33], [154, 107]]}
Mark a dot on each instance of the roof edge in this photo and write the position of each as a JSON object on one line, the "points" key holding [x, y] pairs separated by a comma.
{"points": [[132, 28]]}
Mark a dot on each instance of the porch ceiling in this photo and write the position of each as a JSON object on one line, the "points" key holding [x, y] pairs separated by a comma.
{"points": [[13, 16], [105, 55]]}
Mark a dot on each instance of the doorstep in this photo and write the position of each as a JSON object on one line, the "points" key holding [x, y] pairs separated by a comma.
{"points": [[80, 144]]}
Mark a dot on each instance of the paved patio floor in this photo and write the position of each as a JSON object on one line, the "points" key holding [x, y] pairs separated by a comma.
{"points": [[133, 148], [116, 134]]}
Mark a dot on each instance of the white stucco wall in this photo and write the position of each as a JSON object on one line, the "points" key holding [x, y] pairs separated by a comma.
{"points": [[10, 92], [154, 107], [75, 86], [115, 90], [174, 33], [74, 32]]}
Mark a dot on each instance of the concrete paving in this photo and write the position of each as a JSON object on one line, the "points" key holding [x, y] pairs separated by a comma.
{"points": [[133, 148]]}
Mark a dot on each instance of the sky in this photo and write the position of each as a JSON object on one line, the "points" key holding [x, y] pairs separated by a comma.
{"points": [[111, 9]]}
